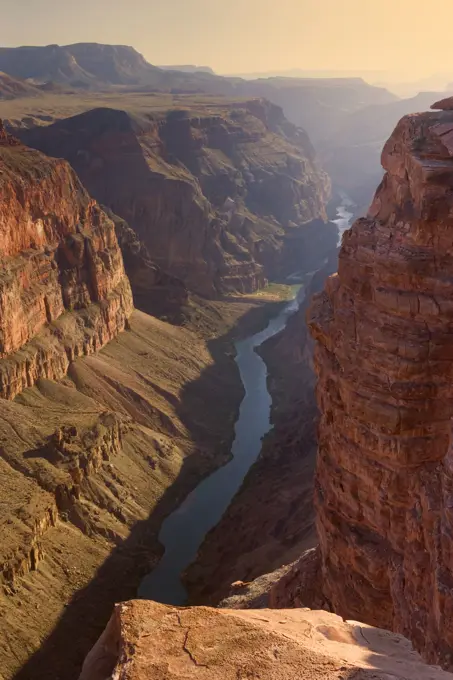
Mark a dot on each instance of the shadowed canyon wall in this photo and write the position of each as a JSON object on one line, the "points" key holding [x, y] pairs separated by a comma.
{"points": [[223, 196], [384, 358]]}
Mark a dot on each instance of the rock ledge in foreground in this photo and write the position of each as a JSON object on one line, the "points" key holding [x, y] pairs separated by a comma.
{"points": [[147, 640]]}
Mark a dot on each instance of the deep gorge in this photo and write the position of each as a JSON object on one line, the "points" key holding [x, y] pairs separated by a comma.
{"points": [[159, 432], [183, 532]]}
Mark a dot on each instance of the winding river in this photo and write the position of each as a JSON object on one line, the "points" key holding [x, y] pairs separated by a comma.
{"points": [[183, 532]]}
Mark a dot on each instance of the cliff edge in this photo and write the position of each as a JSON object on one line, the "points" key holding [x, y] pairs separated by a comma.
{"points": [[145, 639], [384, 359]]}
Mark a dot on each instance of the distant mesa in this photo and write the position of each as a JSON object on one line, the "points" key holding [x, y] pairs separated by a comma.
{"points": [[216, 202], [98, 67]]}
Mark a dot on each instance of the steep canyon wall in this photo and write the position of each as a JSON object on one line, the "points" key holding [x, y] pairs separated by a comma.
{"points": [[63, 289], [224, 196], [383, 331]]}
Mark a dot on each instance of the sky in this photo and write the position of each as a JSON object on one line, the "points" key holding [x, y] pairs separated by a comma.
{"points": [[412, 38]]}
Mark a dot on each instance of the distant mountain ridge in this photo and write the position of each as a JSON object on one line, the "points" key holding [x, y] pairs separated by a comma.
{"points": [[95, 66]]}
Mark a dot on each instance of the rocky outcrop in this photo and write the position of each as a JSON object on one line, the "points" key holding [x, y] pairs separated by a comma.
{"points": [[350, 148], [223, 197], [79, 65], [7, 139], [145, 639], [74, 455], [63, 290], [444, 104], [384, 362]]}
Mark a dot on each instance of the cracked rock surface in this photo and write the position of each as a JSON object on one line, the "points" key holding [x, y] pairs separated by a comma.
{"points": [[148, 640]]}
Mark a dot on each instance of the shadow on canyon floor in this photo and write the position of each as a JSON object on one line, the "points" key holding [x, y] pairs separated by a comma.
{"points": [[63, 651]]}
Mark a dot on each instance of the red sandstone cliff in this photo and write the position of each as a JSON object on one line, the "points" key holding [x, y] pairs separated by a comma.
{"points": [[59, 254], [223, 196], [383, 330]]}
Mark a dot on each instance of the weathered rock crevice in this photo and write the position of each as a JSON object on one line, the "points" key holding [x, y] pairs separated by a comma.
{"points": [[143, 638]]}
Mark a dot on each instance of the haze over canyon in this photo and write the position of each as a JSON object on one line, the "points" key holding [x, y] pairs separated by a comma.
{"points": [[225, 345]]}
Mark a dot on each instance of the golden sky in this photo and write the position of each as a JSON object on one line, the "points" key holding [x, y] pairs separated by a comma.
{"points": [[410, 37]]}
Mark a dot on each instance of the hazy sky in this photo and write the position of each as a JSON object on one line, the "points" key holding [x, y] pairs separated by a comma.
{"points": [[412, 37]]}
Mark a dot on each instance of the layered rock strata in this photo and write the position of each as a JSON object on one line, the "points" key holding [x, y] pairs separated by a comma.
{"points": [[63, 289], [223, 196], [383, 330], [102, 445]]}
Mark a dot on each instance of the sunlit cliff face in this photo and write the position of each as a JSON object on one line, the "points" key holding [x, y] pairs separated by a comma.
{"points": [[384, 360]]}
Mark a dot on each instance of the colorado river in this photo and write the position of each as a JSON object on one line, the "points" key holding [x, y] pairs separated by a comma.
{"points": [[184, 530]]}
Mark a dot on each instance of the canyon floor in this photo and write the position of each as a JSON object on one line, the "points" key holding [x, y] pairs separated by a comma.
{"points": [[158, 379]]}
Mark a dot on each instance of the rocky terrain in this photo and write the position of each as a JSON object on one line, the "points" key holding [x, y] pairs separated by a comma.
{"points": [[331, 110], [223, 197], [320, 105], [383, 357], [155, 292], [350, 149], [347, 119], [95, 66], [144, 640], [107, 419]]}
